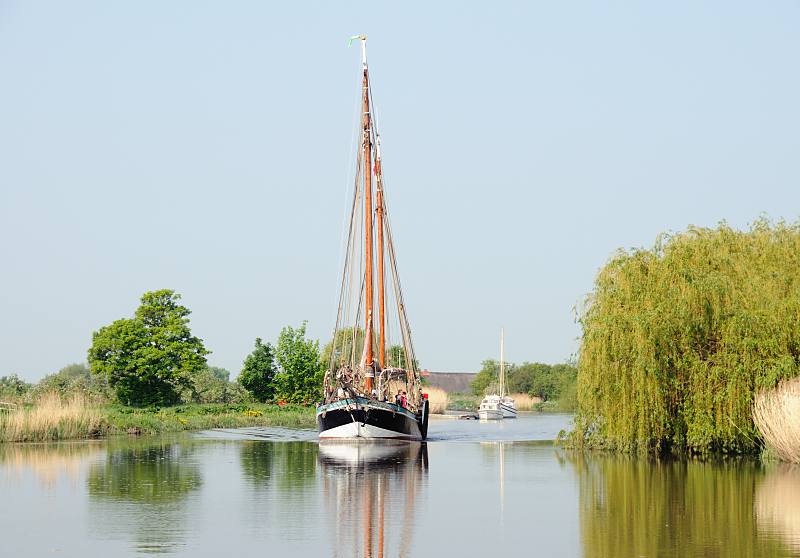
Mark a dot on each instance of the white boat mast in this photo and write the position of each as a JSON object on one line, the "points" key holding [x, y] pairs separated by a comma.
{"points": [[502, 367]]}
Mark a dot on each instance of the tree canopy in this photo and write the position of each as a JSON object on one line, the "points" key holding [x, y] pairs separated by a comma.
{"points": [[71, 379], [258, 373], [488, 374], [12, 387], [150, 358], [678, 338], [346, 347], [299, 379]]}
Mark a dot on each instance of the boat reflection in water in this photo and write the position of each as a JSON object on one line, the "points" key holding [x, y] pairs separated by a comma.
{"points": [[372, 492]]}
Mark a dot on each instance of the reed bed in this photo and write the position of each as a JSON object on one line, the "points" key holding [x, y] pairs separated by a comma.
{"points": [[776, 413], [677, 340], [437, 399], [51, 418], [525, 402]]}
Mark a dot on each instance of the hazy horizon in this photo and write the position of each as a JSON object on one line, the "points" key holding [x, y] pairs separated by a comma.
{"points": [[207, 149]]}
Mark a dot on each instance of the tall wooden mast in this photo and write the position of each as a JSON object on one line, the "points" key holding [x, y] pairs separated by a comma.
{"points": [[381, 280], [369, 370]]}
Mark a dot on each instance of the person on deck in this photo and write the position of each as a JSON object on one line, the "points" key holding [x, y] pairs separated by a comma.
{"points": [[403, 400], [398, 398]]}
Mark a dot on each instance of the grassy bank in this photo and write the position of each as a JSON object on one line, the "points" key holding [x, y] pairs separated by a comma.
{"points": [[463, 402], [204, 416], [56, 419]]}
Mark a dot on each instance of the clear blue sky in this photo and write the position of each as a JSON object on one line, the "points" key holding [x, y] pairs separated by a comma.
{"points": [[205, 147]]}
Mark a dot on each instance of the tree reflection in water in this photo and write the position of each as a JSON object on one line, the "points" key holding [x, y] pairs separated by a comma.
{"points": [[371, 492], [286, 466], [633, 506], [144, 487], [281, 481]]}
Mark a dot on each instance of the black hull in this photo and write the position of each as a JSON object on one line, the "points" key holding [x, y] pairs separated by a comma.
{"points": [[362, 418]]}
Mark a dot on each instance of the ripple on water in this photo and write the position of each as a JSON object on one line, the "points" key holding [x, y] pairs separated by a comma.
{"points": [[528, 427]]}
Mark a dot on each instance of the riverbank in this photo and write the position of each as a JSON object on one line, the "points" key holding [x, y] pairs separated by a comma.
{"points": [[469, 403], [54, 420]]}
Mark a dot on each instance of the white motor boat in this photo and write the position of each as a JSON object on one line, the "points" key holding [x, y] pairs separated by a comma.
{"points": [[496, 407], [490, 408]]}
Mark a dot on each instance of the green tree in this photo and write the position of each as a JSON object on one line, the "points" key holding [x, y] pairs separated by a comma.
{"points": [[219, 373], [551, 382], [258, 373], [73, 378], [151, 358], [212, 386], [346, 347], [488, 375], [520, 378], [678, 339], [299, 379], [396, 357], [13, 387]]}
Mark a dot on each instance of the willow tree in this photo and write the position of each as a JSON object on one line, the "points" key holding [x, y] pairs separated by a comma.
{"points": [[677, 339]]}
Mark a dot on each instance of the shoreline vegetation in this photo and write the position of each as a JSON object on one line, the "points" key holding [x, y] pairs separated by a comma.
{"points": [[689, 348], [148, 374], [679, 341], [54, 418]]}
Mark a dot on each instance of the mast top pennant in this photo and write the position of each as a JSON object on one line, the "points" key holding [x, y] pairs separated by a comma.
{"points": [[356, 38]]}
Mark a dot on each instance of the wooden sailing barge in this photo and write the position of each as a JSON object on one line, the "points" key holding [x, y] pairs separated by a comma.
{"points": [[371, 390]]}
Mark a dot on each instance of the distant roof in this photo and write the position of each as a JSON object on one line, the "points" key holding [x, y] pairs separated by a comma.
{"points": [[451, 382]]}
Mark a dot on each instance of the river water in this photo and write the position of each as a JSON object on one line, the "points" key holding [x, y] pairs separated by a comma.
{"points": [[474, 489]]}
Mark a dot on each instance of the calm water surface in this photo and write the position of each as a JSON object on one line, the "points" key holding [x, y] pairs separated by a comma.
{"points": [[475, 489]]}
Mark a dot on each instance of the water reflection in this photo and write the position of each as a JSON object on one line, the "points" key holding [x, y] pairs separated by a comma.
{"points": [[49, 462], [141, 490], [777, 504], [638, 507], [371, 493], [283, 465], [280, 485], [195, 496], [495, 453]]}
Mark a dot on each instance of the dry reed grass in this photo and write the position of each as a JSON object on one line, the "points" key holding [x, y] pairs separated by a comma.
{"points": [[51, 418], [437, 399], [776, 413], [525, 402]]}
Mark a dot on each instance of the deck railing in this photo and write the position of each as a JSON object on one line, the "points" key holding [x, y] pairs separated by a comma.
{"points": [[6, 407]]}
